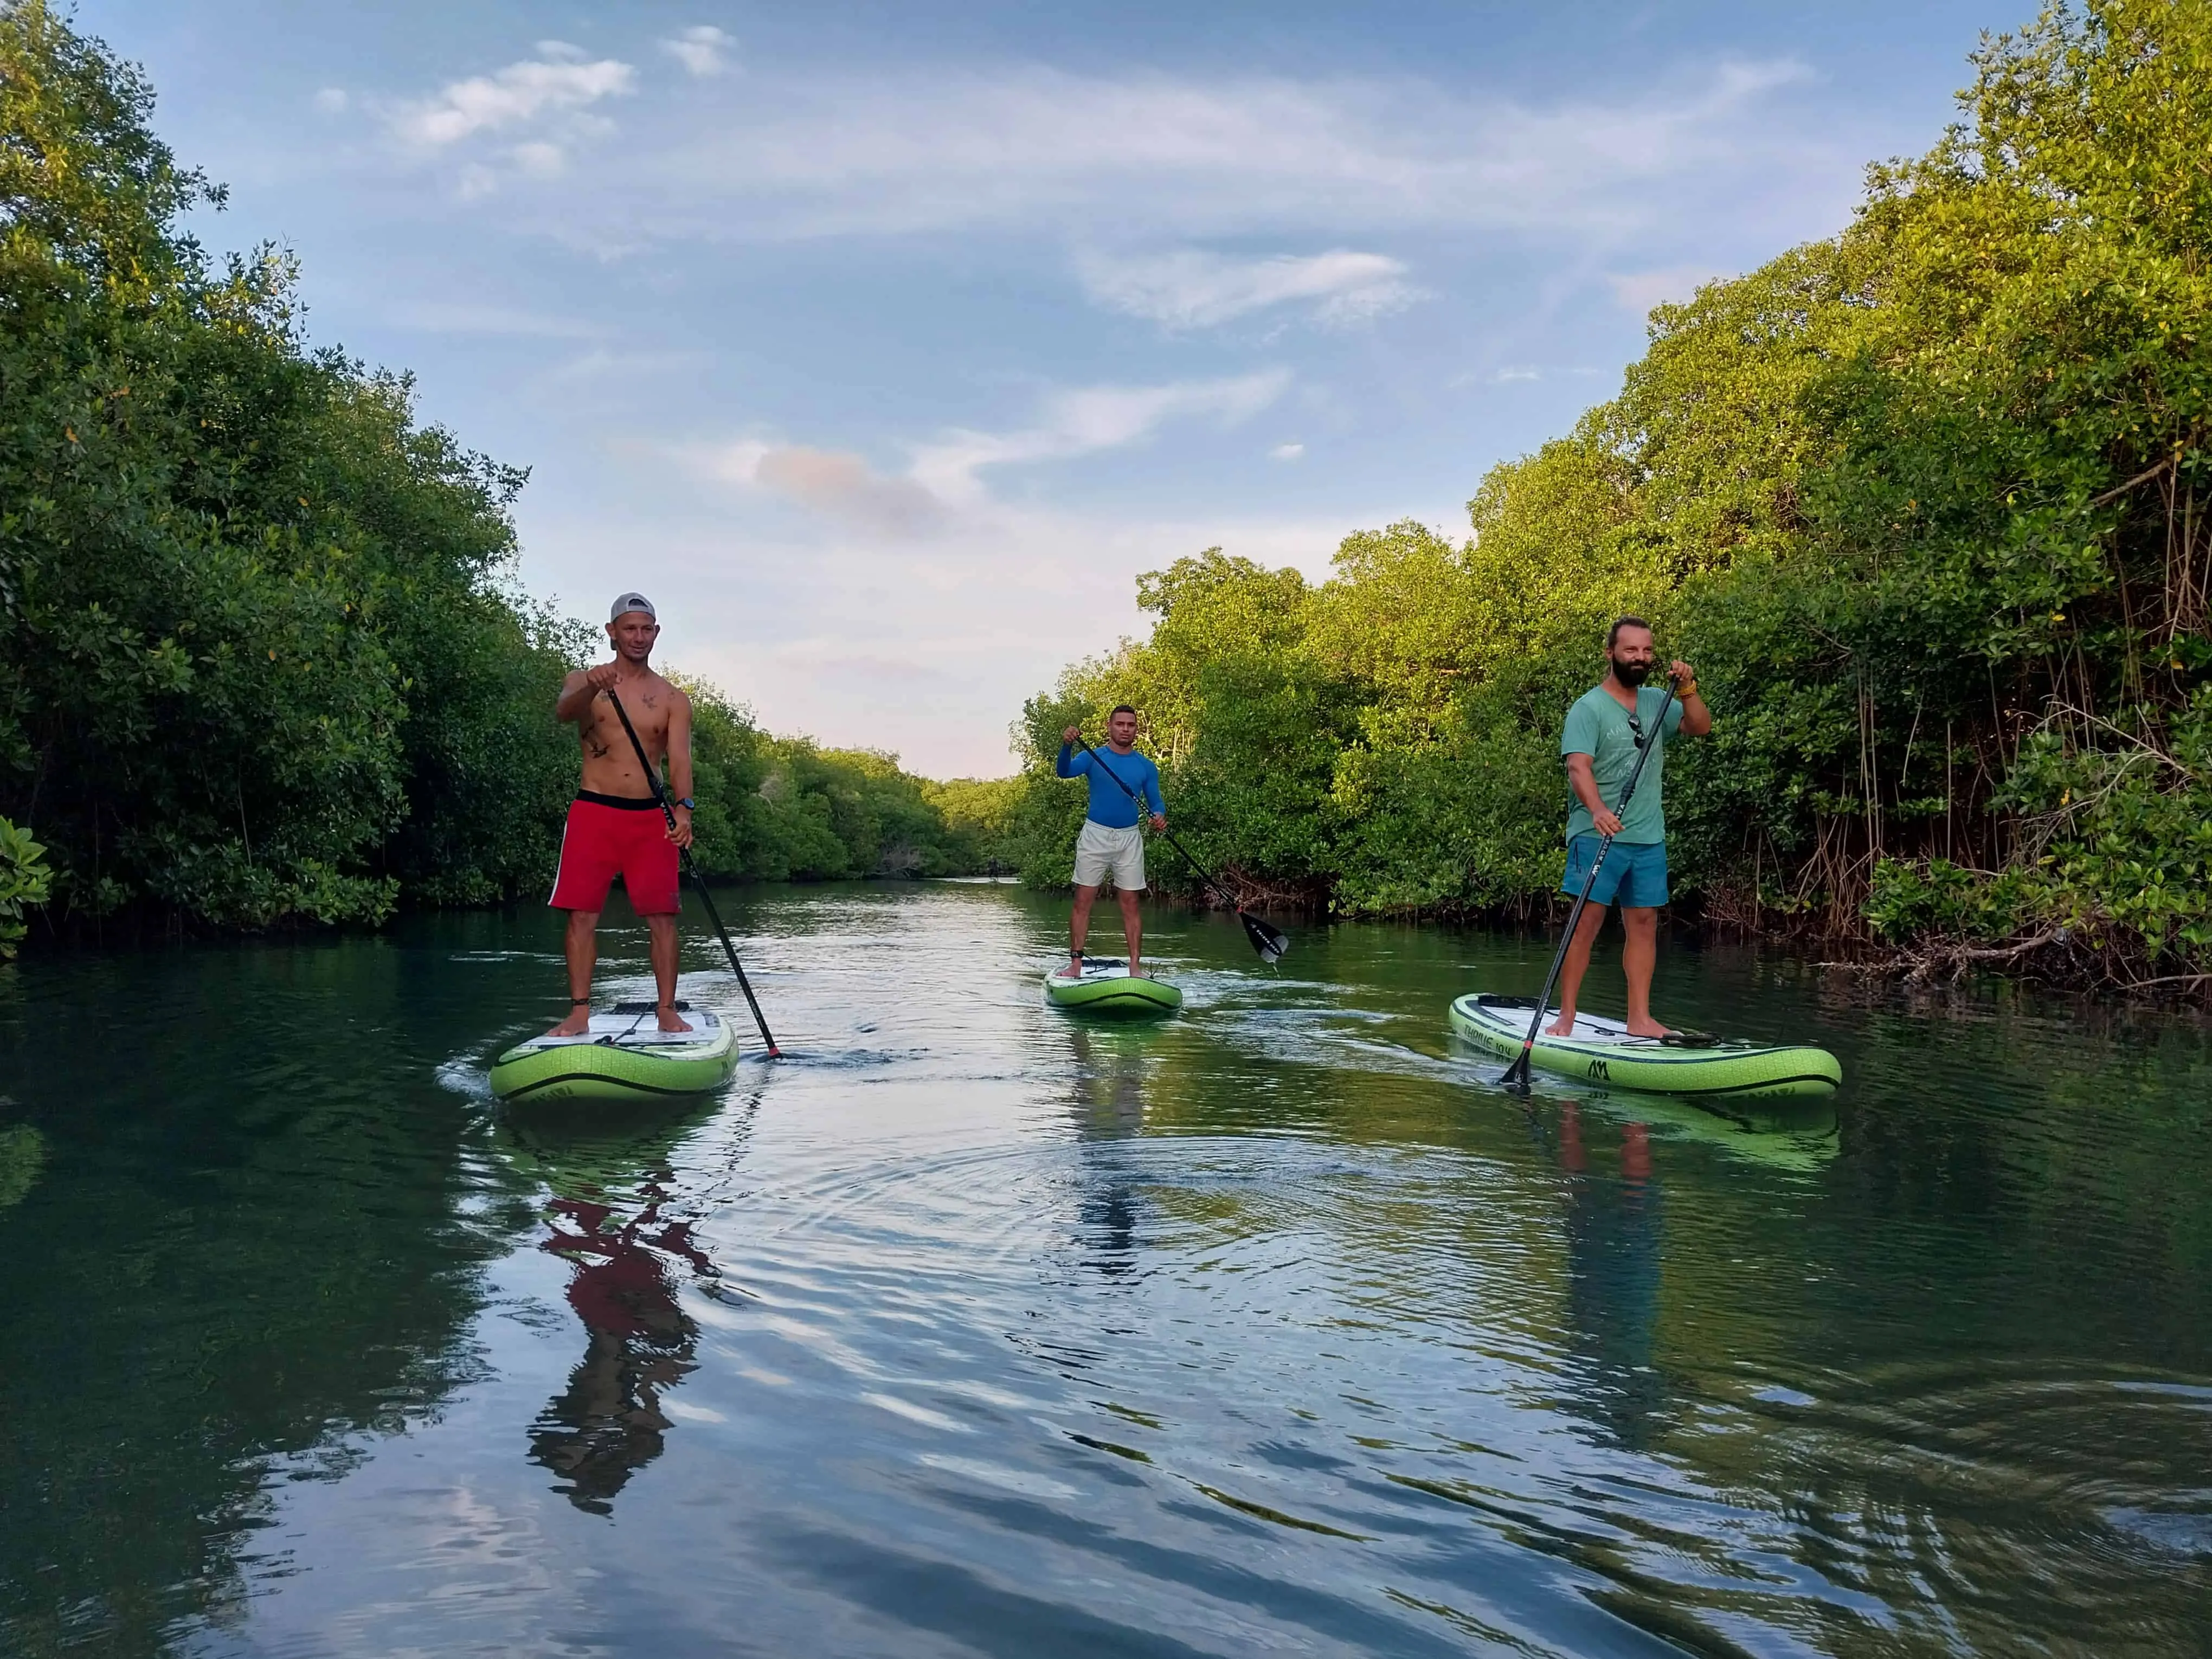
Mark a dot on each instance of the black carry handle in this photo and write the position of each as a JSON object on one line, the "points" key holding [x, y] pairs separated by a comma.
{"points": [[699, 881], [1520, 1064], [1270, 942]]}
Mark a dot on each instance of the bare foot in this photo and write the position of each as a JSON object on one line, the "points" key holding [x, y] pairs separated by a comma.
{"points": [[1562, 1026], [578, 1023], [1136, 968], [669, 1019], [1647, 1027], [1073, 970]]}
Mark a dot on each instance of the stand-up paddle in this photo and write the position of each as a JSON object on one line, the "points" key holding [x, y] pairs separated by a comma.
{"points": [[699, 881], [1516, 1074], [1269, 942]]}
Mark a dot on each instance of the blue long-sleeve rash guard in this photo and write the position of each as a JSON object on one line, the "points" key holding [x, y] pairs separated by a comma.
{"points": [[1110, 805]]}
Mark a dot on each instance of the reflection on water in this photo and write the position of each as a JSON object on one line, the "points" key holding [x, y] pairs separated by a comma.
{"points": [[22, 1153], [1613, 1269], [608, 1423], [1109, 1073], [974, 1328]]}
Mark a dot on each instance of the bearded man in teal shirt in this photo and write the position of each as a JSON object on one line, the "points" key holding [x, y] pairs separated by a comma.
{"points": [[1608, 728]]}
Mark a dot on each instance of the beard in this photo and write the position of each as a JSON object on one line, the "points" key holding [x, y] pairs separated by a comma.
{"points": [[1630, 673]]}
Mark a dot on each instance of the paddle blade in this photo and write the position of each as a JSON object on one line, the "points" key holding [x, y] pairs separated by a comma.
{"points": [[1269, 942]]}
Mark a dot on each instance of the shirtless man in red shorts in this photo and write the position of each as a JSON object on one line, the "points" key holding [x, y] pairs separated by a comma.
{"points": [[615, 825]]}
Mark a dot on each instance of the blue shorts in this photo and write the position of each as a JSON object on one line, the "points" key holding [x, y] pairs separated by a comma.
{"points": [[1635, 874]]}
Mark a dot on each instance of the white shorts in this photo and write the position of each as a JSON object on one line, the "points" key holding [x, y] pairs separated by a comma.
{"points": [[1101, 851]]}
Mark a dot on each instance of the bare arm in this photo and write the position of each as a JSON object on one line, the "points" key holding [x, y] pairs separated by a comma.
{"points": [[679, 765], [577, 691], [1697, 719], [1582, 779], [679, 746]]}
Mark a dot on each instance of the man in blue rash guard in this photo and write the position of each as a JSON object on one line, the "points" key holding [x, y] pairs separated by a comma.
{"points": [[1111, 843]]}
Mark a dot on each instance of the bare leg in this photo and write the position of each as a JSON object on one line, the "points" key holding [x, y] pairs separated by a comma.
{"points": [[581, 943], [1132, 924], [1079, 929], [663, 929], [1572, 970], [1639, 957]]}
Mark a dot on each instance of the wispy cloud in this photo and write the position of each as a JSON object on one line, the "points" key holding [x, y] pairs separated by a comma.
{"points": [[1287, 453], [1192, 289], [899, 152], [943, 481], [703, 50], [559, 79], [836, 483], [1165, 160], [1082, 423]]}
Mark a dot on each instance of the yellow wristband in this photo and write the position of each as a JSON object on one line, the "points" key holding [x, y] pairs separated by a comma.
{"points": [[1689, 690]]}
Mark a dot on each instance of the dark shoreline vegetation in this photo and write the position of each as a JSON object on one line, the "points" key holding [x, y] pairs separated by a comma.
{"points": [[1928, 507], [1919, 502]]}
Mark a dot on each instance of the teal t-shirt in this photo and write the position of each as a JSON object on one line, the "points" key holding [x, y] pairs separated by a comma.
{"points": [[1598, 727]]}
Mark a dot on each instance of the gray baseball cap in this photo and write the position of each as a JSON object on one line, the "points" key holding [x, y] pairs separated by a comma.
{"points": [[632, 602]]}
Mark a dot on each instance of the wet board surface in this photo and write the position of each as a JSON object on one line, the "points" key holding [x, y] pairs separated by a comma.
{"points": [[637, 1031], [1107, 987]]}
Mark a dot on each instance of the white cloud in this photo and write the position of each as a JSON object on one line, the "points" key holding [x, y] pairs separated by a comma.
{"points": [[1190, 288], [559, 79], [1083, 422], [332, 100], [839, 485], [539, 159], [702, 50], [1286, 453], [1157, 157], [942, 486], [931, 653], [1638, 291]]}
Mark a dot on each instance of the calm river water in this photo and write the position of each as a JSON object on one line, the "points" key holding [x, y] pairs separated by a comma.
{"points": [[969, 1328]]}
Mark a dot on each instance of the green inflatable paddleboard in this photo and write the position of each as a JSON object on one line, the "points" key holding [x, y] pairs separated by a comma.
{"points": [[1602, 1051], [1109, 987], [624, 1056]]}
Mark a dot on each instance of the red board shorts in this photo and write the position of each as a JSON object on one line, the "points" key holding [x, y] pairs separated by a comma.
{"points": [[611, 835]]}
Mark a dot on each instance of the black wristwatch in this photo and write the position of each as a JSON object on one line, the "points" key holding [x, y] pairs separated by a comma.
{"points": [[688, 804]]}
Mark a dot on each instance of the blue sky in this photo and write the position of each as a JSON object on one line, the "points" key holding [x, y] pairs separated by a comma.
{"points": [[884, 344]]}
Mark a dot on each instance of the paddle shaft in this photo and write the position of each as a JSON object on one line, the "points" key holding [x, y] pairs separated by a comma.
{"points": [[1581, 899], [1223, 892], [660, 795]]}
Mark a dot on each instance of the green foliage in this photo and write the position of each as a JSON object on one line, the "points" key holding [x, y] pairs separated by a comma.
{"points": [[24, 881], [1922, 505], [978, 815]]}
